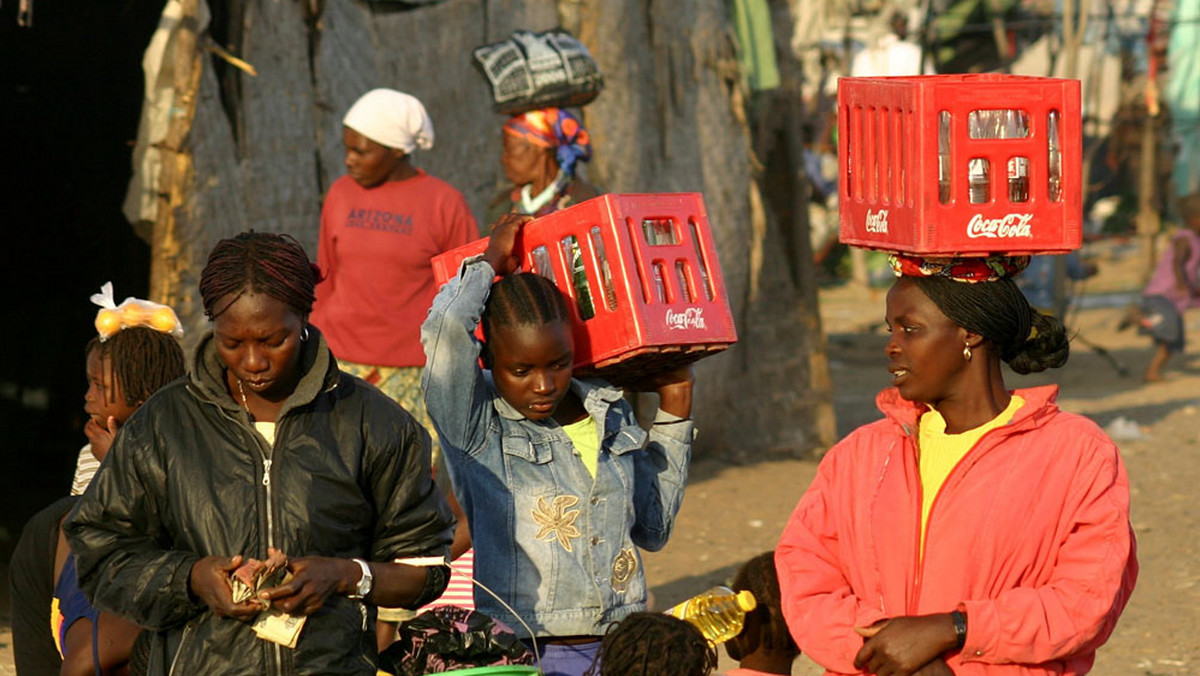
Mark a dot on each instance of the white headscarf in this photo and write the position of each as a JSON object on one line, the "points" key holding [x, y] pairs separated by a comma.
{"points": [[392, 119]]}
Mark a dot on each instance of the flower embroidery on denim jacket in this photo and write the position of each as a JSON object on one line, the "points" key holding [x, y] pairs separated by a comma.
{"points": [[623, 569], [557, 520]]}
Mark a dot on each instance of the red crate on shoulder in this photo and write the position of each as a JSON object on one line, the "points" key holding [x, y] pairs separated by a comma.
{"points": [[960, 164], [641, 275]]}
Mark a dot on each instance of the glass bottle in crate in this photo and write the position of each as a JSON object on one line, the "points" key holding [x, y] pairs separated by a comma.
{"points": [[1054, 159], [719, 613]]}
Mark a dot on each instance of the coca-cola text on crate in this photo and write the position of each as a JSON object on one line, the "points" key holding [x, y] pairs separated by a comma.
{"points": [[641, 275], [953, 165]]}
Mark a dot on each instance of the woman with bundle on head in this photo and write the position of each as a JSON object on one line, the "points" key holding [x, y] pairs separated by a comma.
{"points": [[975, 529], [267, 451], [541, 155]]}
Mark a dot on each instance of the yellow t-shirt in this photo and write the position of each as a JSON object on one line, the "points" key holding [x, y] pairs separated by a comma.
{"points": [[267, 430], [586, 439], [941, 452]]}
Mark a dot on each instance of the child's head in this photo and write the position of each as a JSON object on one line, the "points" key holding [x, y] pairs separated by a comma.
{"points": [[1189, 210], [655, 644], [530, 348], [126, 369], [766, 632]]}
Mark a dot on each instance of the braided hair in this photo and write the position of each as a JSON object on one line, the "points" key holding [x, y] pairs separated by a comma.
{"points": [[758, 576], [140, 360], [654, 644], [524, 299], [1027, 340], [258, 262]]}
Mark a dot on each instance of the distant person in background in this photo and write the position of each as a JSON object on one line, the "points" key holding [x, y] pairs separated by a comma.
{"points": [[1173, 288], [654, 644], [380, 225], [541, 156], [764, 646], [892, 55], [1037, 280]]}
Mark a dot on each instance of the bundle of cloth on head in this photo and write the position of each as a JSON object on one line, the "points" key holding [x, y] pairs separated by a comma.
{"points": [[392, 119], [958, 268], [557, 129]]}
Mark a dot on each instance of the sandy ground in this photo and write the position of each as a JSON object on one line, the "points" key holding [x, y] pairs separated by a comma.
{"points": [[732, 512]]}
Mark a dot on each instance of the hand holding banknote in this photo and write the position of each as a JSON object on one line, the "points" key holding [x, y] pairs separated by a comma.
{"points": [[209, 582]]}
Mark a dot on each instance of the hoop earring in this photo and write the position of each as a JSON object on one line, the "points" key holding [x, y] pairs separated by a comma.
{"points": [[304, 334], [967, 352]]}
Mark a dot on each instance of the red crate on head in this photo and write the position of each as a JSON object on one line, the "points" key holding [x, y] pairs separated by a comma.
{"points": [[641, 275], [960, 164]]}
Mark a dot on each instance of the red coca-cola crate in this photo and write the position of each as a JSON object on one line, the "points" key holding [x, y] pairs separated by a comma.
{"points": [[960, 164], [642, 276]]}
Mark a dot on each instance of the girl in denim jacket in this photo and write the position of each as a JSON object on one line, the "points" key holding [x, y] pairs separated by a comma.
{"points": [[558, 482]]}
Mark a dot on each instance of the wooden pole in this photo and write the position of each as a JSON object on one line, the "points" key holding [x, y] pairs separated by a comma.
{"points": [[166, 260], [1075, 17]]}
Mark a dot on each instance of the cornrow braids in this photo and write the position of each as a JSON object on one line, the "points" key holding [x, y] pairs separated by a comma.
{"points": [[654, 644], [998, 311], [140, 359], [758, 576], [523, 299], [258, 262]]}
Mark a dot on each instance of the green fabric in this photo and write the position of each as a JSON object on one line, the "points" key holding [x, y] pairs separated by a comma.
{"points": [[1182, 93], [756, 40]]}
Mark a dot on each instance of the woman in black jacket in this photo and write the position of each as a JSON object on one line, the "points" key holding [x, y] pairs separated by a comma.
{"points": [[266, 446]]}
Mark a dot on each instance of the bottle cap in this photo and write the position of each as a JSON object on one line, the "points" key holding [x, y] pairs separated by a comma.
{"points": [[746, 601]]}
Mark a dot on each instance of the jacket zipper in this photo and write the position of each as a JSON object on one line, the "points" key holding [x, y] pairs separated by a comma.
{"points": [[266, 483], [179, 650]]}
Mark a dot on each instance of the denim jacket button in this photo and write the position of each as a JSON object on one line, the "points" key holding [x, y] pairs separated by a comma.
{"points": [[595, 500], [595, 540]]}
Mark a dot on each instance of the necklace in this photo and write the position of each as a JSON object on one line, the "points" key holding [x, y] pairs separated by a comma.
{"points": [[242, 392]]}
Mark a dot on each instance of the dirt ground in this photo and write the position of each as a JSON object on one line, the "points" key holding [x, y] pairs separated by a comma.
{"points": [[732, 512]]}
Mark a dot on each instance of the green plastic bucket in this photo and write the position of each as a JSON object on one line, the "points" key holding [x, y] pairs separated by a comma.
{"points": [[506, 670]]}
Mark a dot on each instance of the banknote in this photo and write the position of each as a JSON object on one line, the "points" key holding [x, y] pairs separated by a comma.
{"points": [[277, 626]]}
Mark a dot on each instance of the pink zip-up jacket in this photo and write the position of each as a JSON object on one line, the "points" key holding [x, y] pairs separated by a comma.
{"points": [[1029, 536]]}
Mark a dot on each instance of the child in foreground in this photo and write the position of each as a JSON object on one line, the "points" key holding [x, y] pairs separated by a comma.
{"points": [[123, 370], [560, 485], [764, 646], [654, 644]]}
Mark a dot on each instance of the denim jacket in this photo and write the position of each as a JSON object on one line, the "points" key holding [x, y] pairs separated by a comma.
{"points": [[556, 545]]}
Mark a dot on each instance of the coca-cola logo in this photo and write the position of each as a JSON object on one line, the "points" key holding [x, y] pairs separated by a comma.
{"points": [[1010, 226], [691, 318], [877, 222]]}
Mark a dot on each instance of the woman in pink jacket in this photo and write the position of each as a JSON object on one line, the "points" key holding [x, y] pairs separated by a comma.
{"points": [[973, 530]]}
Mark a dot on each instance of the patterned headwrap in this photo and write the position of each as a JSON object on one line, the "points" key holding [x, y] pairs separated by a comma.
{"points": [[554, 128], [959, 269]]}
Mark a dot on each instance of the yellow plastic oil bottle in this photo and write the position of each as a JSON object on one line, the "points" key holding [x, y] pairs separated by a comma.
{"points": [[718, 613]]}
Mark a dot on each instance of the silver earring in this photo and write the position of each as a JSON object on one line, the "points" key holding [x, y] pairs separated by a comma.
{"points": [[304, 334], [967, 352]]}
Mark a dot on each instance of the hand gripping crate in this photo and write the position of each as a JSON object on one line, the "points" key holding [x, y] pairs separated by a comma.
{"points": [[960, 164], [641, 275]]}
